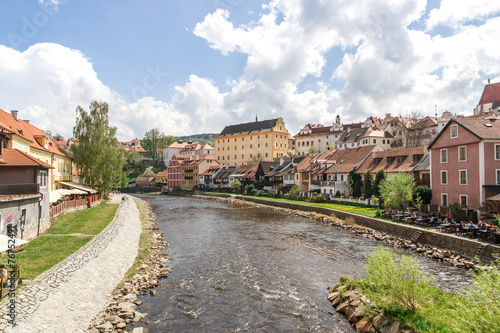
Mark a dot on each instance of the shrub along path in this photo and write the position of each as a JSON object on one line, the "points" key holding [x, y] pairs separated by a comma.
{"points": [[67, 297]]}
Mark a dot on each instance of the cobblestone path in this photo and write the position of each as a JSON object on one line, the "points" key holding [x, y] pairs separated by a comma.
{"points": [[68, 296]]}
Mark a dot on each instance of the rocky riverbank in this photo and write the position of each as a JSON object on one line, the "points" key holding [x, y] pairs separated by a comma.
{"points": [[361, 312], [350, 225], [120, 309]]}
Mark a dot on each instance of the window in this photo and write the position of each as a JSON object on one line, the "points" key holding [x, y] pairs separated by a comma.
{"points": [[43, 178], [383, 141], [251, 138], [374, 141], [444, 155], [242, 156], [250, 155], [444, 177], [463, 200], [242, 139], [266, 154], [462, 154], [498, 176], [454, 131], [444, 199], [250, 146], [243, 147], [235, 157], [463, 177], [258, 145], [497, 152]]}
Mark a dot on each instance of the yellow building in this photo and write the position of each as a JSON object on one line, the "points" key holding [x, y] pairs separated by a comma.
{"points": [[252, 142], [35, 142]]}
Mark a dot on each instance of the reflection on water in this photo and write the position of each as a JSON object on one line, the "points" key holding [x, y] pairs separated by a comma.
{"points": [[243, 268]]}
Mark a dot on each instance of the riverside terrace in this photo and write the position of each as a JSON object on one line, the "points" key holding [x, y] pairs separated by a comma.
{"points": [[482, 231]]}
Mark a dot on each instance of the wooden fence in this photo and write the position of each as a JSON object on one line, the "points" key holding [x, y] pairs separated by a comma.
{"points": [[67, 204]]}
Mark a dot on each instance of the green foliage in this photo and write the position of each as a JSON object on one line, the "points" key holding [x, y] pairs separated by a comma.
{"points": [[204, 138], [154, 141], [379, 177], [295, 190], [98, 159], [368, 185], [425, 193], [235, 185], [378, 213], [403, 281], [249, 189], [318, 197], [355, 182], [480, 312], [313, 150], [397, 193], [454, 208], [124, 181], [418, 202]]}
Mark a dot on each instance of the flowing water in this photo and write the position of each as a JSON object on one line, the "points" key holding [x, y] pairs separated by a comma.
{"points": [[242, 268]]}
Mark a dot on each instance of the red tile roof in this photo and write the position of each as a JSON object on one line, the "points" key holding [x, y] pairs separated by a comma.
{"points": [[490, 94], [15, 157], [29, 132], [162, 174], [388, 160]]}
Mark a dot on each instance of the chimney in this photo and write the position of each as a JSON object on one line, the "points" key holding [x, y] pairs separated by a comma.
{"points": [[14, 113]]}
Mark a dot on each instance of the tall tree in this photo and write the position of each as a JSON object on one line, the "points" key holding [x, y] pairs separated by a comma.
{"points": [[152, 143], [97, 157], [378, 179], [368, 184]]}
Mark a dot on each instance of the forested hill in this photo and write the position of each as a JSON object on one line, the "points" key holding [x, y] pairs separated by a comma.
{"points": [[200, 138]]}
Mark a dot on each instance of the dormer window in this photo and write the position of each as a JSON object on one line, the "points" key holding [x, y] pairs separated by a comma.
{"points": [[401, 159], [417, 157], [390, 159], [377, 160]]}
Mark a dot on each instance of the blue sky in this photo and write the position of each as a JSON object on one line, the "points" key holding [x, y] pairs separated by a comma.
{"points": [[188, 67]]}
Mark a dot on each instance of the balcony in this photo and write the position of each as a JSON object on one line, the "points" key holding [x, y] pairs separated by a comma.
{"points": [[19, 188]]}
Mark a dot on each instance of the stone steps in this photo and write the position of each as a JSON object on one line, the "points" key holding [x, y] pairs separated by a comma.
{"points": [[416, 236]]}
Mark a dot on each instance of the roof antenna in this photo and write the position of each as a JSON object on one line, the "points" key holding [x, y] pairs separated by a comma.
{"points": [[436, 110], [488, 80], [256, 119]]}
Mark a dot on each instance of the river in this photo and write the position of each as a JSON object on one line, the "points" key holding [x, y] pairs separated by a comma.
{"points": [[239, 268]]}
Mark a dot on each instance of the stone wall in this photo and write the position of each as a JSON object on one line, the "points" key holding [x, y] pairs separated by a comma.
{"points": [[461, 245]]}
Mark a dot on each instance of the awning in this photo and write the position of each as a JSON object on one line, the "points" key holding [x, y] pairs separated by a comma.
{"points": [[494, 198], [79, 186]]}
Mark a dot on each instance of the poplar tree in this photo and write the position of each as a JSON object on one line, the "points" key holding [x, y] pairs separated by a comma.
{"points": [[99, 160], [368, 184]]}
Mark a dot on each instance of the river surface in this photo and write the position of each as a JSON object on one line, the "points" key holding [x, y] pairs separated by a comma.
{"points": [[240, 268]]}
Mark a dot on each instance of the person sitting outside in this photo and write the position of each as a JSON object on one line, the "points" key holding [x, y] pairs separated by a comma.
{"points": [[3, 274]]}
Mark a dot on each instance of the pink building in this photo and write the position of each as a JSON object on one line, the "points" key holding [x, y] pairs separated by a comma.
{"points": [[174, 173], [465, 162]]}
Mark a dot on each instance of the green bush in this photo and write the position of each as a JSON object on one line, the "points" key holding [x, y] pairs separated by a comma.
{"points": [[318, 197], [404, 282], [425, 193], [480, 312]]}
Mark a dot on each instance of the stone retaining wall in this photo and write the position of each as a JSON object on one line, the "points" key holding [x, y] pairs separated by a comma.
{"points": [[461, 245]]}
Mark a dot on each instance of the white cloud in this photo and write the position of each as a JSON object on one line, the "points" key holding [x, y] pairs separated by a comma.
{"points": [[454, 12], [386, 67], [47, 81]]}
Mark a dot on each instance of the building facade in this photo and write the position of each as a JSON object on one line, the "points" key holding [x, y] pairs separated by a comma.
{"points": [[252, 142]]}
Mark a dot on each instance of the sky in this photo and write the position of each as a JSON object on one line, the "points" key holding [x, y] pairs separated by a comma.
{"points": [[188, 67]]}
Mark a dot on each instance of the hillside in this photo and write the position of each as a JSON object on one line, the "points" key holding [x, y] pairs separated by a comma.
{"points": [[200, 138]]}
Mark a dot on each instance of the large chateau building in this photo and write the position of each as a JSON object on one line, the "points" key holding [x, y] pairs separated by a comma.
{"points": [[249, 143]]}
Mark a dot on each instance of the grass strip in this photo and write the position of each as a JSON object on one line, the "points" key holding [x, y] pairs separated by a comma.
{"points": [[88, 221], [44, 252], [145, 243]]}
